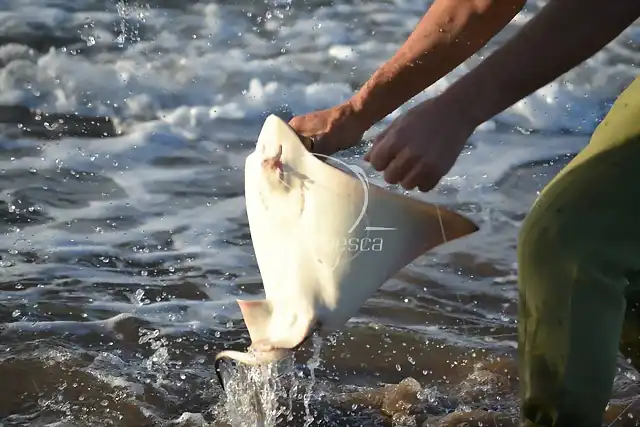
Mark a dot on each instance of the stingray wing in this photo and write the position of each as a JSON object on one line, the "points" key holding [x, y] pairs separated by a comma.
{"points": [[325, 240]]}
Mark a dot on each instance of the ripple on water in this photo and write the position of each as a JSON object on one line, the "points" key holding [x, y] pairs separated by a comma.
{"points": [[122, 258]]}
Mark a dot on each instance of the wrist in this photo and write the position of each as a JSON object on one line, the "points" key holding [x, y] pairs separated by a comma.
{"points": [[363, 104], [382, 94], [467, 100], [362, 112]]}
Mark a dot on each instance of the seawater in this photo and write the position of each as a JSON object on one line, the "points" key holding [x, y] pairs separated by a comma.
{"points": [[122, 257]]}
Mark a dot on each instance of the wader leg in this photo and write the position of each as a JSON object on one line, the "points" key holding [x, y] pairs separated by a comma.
{"points": [[630, 339], [577, 249]]}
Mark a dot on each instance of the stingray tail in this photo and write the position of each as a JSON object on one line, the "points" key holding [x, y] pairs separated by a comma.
{"points": [[257, 317]]}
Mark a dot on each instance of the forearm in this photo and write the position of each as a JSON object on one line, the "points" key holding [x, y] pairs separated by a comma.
{"points": [[449, 33], [561, 36]]}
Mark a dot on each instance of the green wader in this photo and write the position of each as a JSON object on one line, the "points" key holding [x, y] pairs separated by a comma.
{"points": [[579, 277]]}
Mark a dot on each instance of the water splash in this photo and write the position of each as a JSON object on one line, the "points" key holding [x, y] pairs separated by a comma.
{"points": [[255, 394], [312, 364], [265, 396], [131, 18]]}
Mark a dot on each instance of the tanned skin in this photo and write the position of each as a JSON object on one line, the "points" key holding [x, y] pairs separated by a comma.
{"points": [[561, 36], [446, 36], [449, 33]]}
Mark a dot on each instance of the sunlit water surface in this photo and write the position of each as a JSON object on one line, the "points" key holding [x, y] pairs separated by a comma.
{"points": [[121, 256]]}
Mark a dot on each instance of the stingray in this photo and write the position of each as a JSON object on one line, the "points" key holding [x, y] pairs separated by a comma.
{"points": [[325, 240]]}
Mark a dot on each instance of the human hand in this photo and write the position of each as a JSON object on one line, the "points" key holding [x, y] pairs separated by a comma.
{"points": [[333, 129], [422, 145]]}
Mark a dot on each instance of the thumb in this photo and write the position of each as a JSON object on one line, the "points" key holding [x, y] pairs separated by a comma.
{"points": [[298, 123], [367, 155], [322, 145], [383, 152], [376, 141], [372, 149]]}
